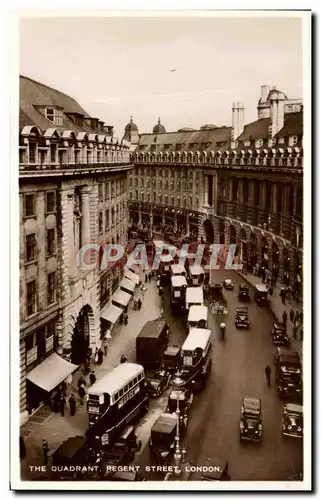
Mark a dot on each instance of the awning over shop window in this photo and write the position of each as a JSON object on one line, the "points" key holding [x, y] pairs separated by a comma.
{"points": [[132, 276], [121, 297], [127, 285], [111, 313], [51, 372]]}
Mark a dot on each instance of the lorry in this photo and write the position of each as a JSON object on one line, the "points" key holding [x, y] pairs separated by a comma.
{"points": [[151, 343]]}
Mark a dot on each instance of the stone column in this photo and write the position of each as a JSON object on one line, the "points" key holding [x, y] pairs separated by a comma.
{"points": [[274, 198], [206, 181], [85, 216], [70, 235], [139, 215], [241, 191], [262, 195], [187, 224], [230, 194]]}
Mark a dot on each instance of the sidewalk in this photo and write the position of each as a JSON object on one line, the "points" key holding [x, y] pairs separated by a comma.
{"points": [[55, 428], [277, 308]]}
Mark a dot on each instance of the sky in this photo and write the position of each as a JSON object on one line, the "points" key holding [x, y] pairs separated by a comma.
{"points": [[117, 67]]}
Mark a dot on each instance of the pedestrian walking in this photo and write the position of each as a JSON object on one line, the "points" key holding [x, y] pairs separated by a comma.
{"points": [[81, 381], [100, 356], [62, 404], [81, 393], [96, 356], [72, 405], [123, 359], [146, 278], [295, 330], [292, 315], [268, 374], [139, 304], [92, 378], [284, 317], [45, 450], [282, 295], [301, 334], [150, 277], [63, 388], [126, 319], [22, 448]]}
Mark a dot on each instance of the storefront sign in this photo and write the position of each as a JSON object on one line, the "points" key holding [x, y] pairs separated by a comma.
{"points": [[32, 355], [49, 343]]}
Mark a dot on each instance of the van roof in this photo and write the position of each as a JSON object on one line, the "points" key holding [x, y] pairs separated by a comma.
{"points": [[194, 294], [197, 313], [152, 329], [177, 269], [177, 280]]}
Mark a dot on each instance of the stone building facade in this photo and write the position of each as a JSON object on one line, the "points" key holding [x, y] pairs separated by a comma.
{"points": [[72, 192], [241, 184]]}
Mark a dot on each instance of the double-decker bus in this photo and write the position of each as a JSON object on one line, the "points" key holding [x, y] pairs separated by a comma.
{"points": [[196, 275], [197, 317], [178, 270], [196, 358], [114, 402]]}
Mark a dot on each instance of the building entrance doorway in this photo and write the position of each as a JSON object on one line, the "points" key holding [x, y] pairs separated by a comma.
{"points": [[80, 338]]}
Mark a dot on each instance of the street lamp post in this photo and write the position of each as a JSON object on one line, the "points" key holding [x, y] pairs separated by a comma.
{"points": [[178, 384]]}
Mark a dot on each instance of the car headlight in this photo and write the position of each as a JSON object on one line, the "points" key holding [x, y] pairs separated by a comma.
{"points": [[284, 427], [289, 427], [299, 429]]}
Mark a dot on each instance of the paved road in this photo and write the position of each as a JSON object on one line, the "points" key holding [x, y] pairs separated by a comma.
{"points": [[238, 371]]}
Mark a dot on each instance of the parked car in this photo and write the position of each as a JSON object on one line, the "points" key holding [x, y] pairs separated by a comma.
{"points": [[251, 427], [158, 383], [242, 318], [228, 284], [244, 293], [279, 335], [292, 420], [163, 436]]}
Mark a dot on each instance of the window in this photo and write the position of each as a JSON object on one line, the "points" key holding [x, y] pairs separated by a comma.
{"points": [[259, 143], [293, 140], [100, 192], [51, 288], [51, 241], [21, 155], [29, 205], [100, 222], [54, 115], [77, 157], [31, 298], [32, 153], [281, 140], [247, 144], [107, 219], [31, 248], [53, 153], [50, 202]]}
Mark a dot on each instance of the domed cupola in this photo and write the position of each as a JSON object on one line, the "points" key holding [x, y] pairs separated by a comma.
{"points": [[159, 128], [131, 132]]}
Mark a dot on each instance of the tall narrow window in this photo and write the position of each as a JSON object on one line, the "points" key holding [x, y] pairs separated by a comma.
{"points": [[31, 298], [50, 202], [51, 288], [29, 205], [31, 248]]}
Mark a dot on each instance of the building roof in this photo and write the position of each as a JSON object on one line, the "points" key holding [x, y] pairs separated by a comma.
{"points": [[255, 130], [293, 125], [131, 126], [190, 140], [34, 95]]}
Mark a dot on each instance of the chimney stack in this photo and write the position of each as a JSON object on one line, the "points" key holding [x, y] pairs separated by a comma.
{"points": [[265, 89], [237, 122], [277, 112]]}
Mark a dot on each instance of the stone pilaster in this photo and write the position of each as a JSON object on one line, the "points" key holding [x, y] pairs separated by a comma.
{"points": [[85, 216], [187, 225]]}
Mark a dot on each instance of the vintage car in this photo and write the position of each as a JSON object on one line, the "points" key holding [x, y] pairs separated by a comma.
{"points": [[244, 294], [184, 398], [251, 428], [279, 335], [172, 358], [216, 292], [162, 440], [215, 469], [158, 382], [228, 284], [242, 318], [73, 451], [292, 420]]}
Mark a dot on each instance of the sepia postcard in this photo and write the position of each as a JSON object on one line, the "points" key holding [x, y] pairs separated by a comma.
{"points": [[160, 236]]}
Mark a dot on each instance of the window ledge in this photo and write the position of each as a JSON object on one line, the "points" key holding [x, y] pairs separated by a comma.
{"points": [[25, 217], [31, 262]]}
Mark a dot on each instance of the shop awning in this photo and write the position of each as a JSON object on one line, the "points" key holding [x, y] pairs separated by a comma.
{"points": [[111, 313], [51, 372], [132, 276], [121, 297], [127, 284]]}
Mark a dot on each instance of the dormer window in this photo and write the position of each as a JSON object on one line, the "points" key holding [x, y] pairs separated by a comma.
{"points": [[293, 139], [54, 115], [281, 140], [247, 144], [258, 143]]}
